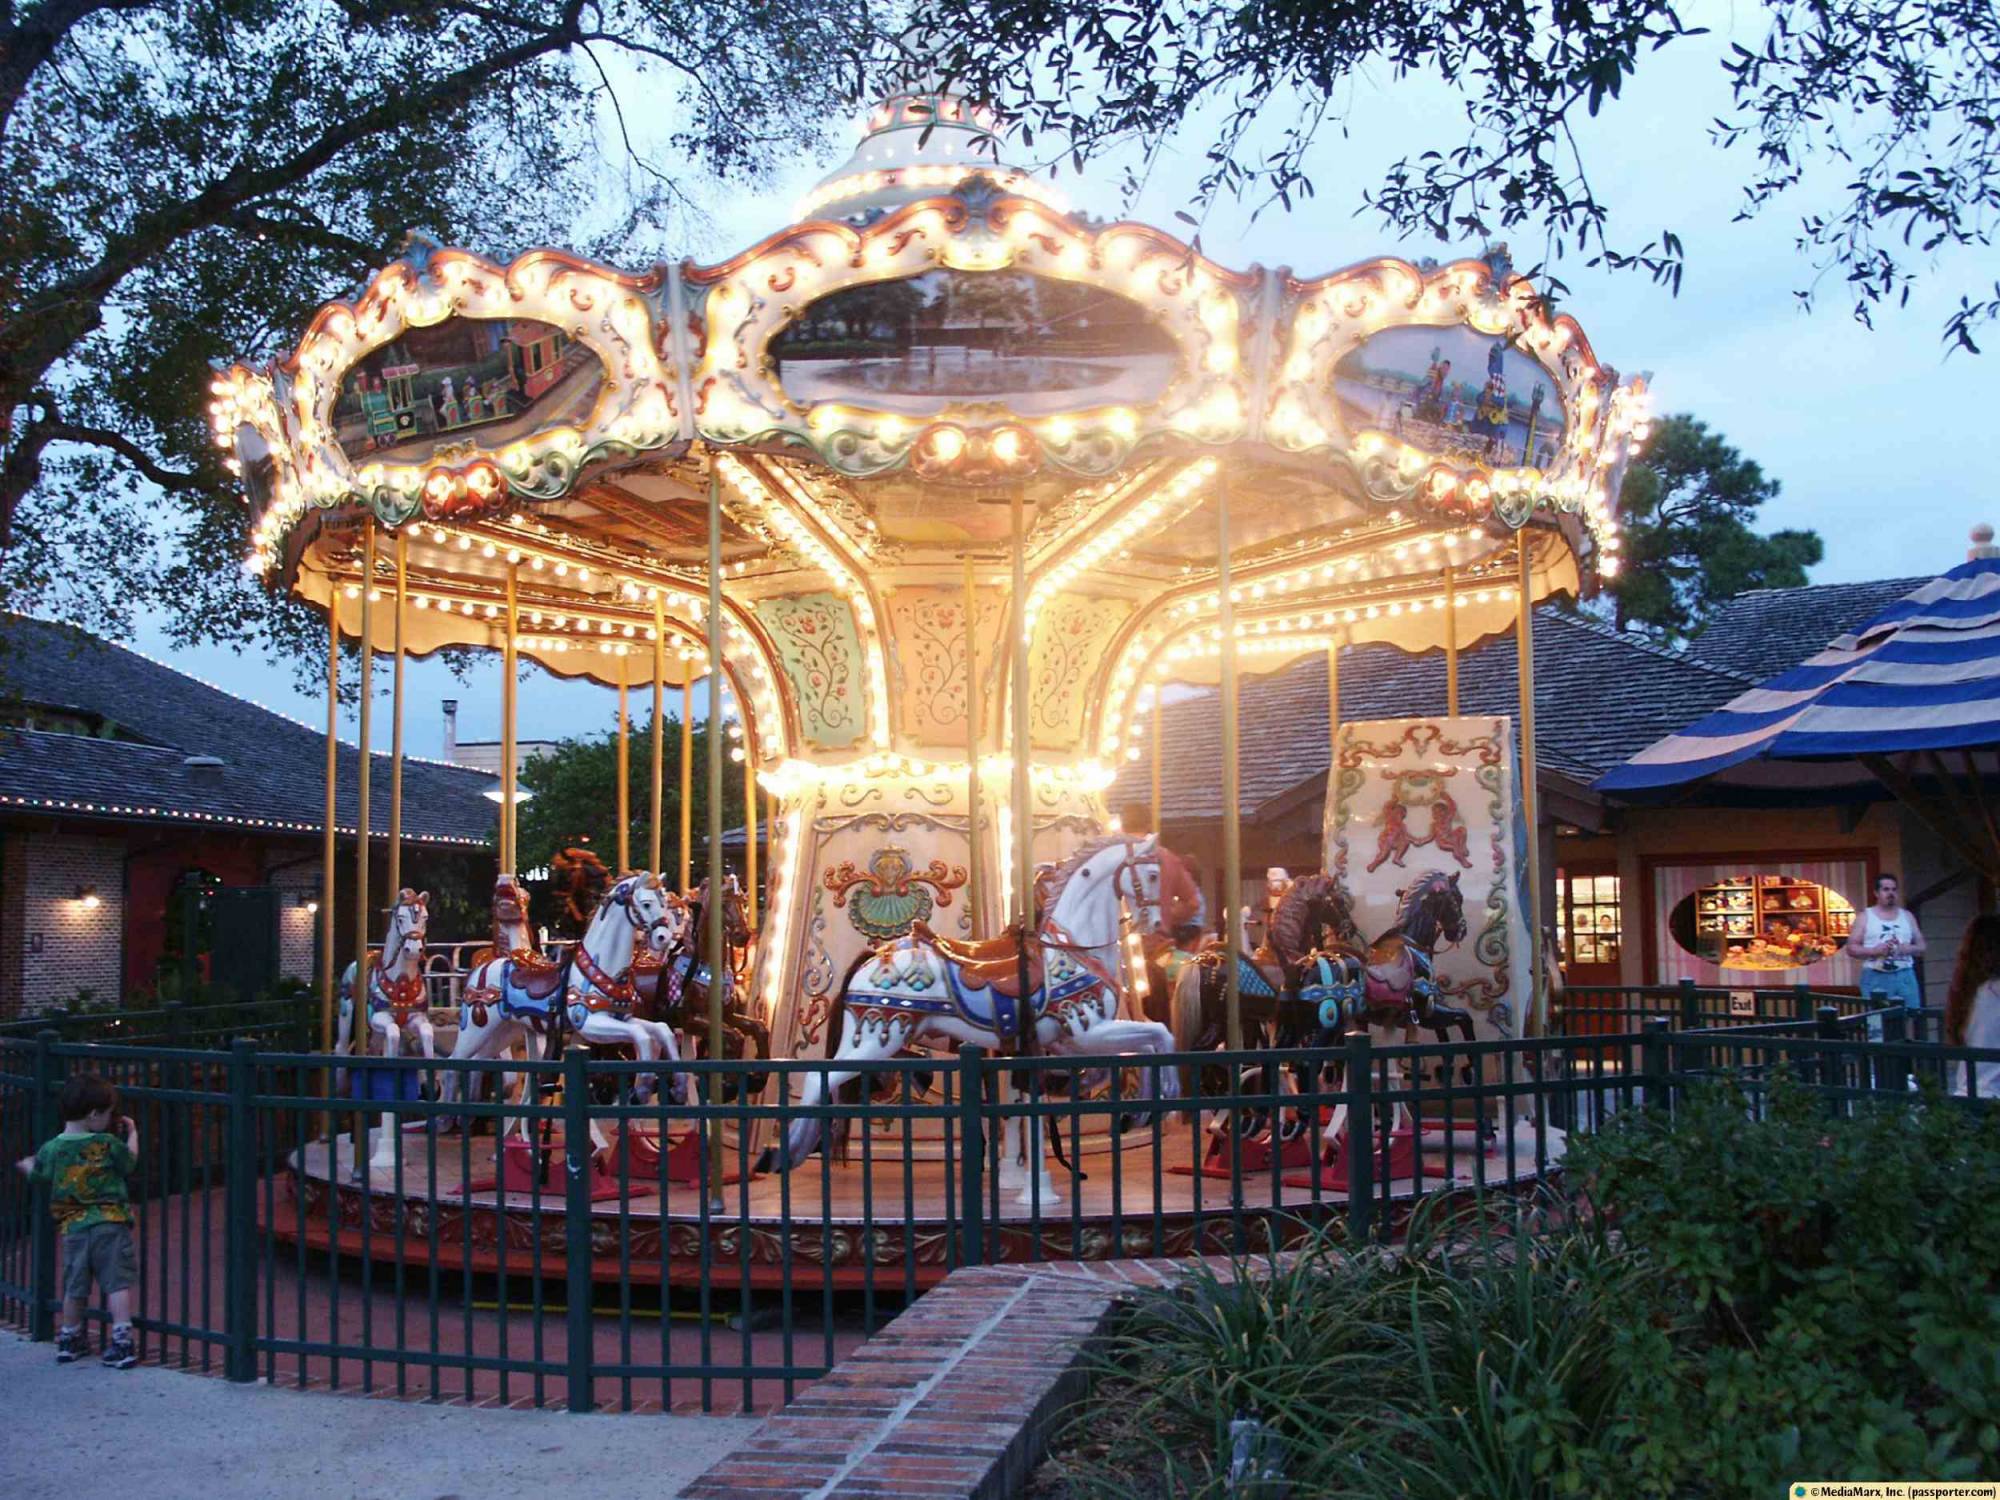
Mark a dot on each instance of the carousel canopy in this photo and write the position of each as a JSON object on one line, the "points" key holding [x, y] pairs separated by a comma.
{"points": [[870, 389], [1921, 676]]}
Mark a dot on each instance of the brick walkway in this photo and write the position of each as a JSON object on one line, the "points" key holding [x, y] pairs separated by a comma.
{"points": [[954, 1398]]}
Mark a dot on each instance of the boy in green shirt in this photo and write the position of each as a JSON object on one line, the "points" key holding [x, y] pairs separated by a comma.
{"points": [[86, 1167]]}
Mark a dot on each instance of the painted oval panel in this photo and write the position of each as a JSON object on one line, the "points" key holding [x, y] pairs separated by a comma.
{"points": [[464, 384], [1762, 922], [1033, 344], [1455, 392]]}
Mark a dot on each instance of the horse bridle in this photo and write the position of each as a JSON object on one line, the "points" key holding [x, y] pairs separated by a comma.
{"points": [[382, 958]]}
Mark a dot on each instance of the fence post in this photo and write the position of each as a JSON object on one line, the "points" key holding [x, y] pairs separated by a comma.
{"points": [[1802, 1002], [581, 1335], [1832, 1072], [1653, 1062], [42, 1228], [971, 1156], [175, 1023], [239, 1253], [1690, 1007], [1892, 1073], [1360, 1089]]}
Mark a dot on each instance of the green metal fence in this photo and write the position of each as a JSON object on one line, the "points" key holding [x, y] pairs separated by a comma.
{"points": [[603, 1277], [1588, 1010]]}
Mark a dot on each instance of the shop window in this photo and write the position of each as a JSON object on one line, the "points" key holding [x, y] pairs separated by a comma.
{"points": [[1762, 922], [1589, 924]]}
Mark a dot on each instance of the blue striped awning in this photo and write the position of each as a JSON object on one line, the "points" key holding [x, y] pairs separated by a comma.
{"points": [[1924, 674]]}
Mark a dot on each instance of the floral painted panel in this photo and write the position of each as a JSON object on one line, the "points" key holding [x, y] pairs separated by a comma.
{"points": [[1071, 636], [821, 655], [928, 627]]}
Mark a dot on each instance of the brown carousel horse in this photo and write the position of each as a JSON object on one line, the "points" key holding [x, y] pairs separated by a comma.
{"points": [[675, 987]]}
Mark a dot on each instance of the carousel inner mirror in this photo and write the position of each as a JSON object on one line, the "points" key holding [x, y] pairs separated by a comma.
{"points": [[1454, 392], [461, 384], [917, 346]]}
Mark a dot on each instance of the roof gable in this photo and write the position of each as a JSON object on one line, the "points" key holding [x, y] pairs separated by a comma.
{"points": [[1766, 631], [272, 768]]}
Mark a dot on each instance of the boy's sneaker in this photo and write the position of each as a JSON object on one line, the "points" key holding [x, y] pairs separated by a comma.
{"points": [[121, 1353], [70, 1346]]}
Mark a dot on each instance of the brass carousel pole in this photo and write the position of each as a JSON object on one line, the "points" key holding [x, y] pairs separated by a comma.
{"points": [[624, 767], [718, 956], [976, 885], [1450, 641], [361, 808], [1023, 781], [1232, 828], [749, 815], [396, 719], [508, 662], [659, 735], [1524, 639], [1157, 803], [687, 778], [329, 839], [1333, 716]]}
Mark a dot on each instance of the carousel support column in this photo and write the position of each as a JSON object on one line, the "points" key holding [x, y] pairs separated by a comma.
{"points": [[718, 951], [361, 808], [976, 891], [749, 816], [329, 842], [1530, 794], [509, 663], [624, 767], [1450, 641], [396, 718], [1035, 1181], [659, 737], [687, 779], [1232, 829]]}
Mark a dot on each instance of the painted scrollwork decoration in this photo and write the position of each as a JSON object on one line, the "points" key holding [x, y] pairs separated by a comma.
{"points": [[885, 900]]}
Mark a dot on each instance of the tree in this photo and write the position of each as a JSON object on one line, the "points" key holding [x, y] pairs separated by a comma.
{"points": [[1895, 96], [575, 800], [183, 181], [1687, 508]]}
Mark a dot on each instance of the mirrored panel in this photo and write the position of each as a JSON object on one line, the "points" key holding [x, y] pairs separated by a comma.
{"points": [[1453, 392], [259, 467], [1762, 922], [464, 383], [1033, 344]]}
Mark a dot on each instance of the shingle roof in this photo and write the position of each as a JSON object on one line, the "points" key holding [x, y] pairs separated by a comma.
{"points": [[272, 771], [1767, 631], [1600, 697]]}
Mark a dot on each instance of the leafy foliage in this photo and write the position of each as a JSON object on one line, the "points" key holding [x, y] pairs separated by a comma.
{"points": [[576, 799], [1687, 508], [183, 181], [1747, 1295], [1893, 99]]}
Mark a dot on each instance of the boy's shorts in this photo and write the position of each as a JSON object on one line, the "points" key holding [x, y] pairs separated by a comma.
{"points": [[101, 1253]]}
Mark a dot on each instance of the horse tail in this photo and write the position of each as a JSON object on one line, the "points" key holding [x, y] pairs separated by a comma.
{"points": [[1188, 1023]]}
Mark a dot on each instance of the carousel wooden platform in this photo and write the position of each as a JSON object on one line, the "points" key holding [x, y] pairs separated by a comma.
{"points": [[877, 1219]]}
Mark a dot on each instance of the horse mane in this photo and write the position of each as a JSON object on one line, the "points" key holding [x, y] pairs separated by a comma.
{"points": [[1288, 934], [1066, 872]]}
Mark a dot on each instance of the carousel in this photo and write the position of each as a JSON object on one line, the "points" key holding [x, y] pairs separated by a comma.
{"points": [[940, 488]]}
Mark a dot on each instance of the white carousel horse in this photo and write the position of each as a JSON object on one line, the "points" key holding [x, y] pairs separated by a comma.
{"points": [[923, 987], [398, 999], [602, 994], [521, 997]]}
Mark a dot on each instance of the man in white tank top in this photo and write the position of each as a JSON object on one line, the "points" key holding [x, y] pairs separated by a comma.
{"points": [[1888, 942]]}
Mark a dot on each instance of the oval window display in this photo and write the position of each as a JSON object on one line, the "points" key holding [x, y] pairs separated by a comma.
{"points": [[1762, 922], [1454, 392], [464, 384], [1035, 345]]}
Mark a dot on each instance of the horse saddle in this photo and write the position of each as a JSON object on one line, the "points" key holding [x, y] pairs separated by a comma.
{"points": [[990, 963], [535, 976]]}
